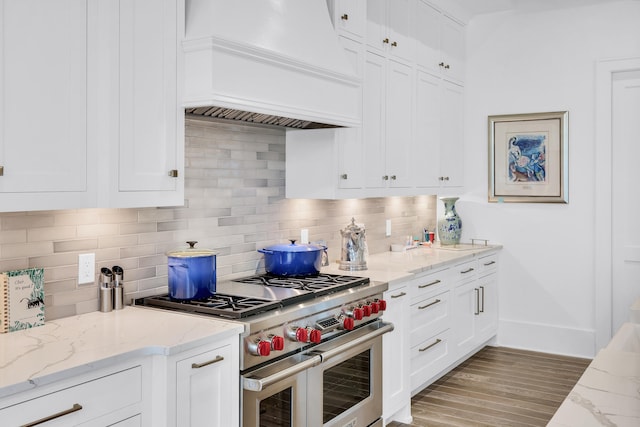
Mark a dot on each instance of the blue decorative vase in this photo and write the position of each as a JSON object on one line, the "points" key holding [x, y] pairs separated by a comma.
{"points": [[450, 224]]}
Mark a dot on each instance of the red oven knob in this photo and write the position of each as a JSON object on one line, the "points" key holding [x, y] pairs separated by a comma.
{"points": [[277, 343], [366, 310], [375, 307], [358, 313], [263, 348], [348, 323], [315, 336], [301, 335], [383, 304]]}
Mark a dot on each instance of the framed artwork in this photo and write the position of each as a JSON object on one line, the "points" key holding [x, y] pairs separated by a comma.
{"points": [[528, 158]]}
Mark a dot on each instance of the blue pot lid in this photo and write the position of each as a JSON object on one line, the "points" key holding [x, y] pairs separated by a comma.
{"points": [[294, 247]]}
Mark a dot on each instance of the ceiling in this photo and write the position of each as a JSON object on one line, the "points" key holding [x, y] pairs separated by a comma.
{"points": [[478, 7]]}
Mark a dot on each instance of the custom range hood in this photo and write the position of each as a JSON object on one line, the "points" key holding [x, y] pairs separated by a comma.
{"points": [[268, 61]]}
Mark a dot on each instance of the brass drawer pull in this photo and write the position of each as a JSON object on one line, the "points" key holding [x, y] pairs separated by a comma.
{"points": [[210, 362], [436, 342], [489, 263], [401, 294], [477, 291], [75, 408], [429, 305], [1, 170], [469, 270], [173, 173], [345, 17], [435, 282]]}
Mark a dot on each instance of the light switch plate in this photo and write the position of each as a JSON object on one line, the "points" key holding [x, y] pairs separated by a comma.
{"points": [[86, 268]]}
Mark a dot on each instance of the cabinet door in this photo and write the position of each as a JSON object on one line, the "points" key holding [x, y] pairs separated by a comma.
{"points": [[426, 146], [427, 35], [487, 325], [377, 25], [350, 17], [401, 43], [207, 390], [452, 46], [373, 120], [150, 120], [465, 311], [43, 102], [396, 371], [398, 124], [451, 135]]}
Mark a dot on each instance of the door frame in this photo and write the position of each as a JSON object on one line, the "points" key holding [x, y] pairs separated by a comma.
{"points": [[605, 69]]}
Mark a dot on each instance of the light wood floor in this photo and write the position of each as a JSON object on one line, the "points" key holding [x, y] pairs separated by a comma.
{"points": [[498, 387]]}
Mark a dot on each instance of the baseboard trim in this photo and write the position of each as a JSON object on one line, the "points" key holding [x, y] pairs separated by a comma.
{"points": [[546, 338]]}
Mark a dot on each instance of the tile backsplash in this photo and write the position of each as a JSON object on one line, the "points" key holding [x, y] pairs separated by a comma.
{"points": [[235, 204]]}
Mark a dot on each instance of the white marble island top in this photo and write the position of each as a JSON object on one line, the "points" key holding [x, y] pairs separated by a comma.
{"points": [[607, 394], [74, 345]]}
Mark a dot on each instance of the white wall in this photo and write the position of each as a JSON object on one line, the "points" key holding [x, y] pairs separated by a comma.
{"points": [[539, 62]]}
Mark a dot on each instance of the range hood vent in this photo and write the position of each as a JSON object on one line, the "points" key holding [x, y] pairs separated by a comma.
{"points": [[275, 62], [249, 117]]}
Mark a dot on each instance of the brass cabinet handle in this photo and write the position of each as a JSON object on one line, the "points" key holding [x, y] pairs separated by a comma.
{"points": [[435, 282], [173, 173], [436, 342], [210, 362], [469, 270], [482, 309], [393, 177], [429, 305], [441, 178], [1, 170], [345, 17], [446, 178], [401, 294], [446, 67], [489, 263], [75, 408], [344, 176], [385, 177], [385, 40], [394, 44], [441, 64]]}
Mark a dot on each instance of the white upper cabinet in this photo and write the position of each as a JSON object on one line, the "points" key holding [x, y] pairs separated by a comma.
{"points": [[89, 111], [349, 17], [145, 120], [440, 43], [44, 105], [389, 28]]}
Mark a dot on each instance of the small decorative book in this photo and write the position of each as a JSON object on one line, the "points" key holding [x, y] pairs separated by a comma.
{"points": [[21, 299]]}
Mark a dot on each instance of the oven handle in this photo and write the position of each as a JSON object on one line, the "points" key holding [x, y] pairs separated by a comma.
{"points": [[259, 384], [339, 349]]}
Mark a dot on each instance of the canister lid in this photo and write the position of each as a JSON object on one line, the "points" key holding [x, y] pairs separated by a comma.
{"points": [[353, 228], [191, 252]]}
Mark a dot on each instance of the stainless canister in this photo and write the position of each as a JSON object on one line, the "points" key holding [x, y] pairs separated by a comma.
{"points": [[105, 297], [354, 247], [118, 288]]}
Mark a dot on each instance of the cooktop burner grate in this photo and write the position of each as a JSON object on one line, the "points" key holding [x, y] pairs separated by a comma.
{"points": [[320, 284], [228, 306]]}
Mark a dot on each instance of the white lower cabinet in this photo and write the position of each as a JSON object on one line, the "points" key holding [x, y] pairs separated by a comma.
{"points": [[206, 389], [396, 391], [452, 312], [118, 396]]}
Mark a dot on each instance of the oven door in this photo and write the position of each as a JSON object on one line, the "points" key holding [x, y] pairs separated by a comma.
{"points": [[346, 388], [276, 394]]}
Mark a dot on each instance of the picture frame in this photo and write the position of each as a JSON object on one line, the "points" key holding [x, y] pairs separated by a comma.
{"points": [[529, 157]]}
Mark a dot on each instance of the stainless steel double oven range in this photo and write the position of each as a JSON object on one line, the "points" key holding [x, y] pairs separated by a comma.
{"points": [[311, 352]]}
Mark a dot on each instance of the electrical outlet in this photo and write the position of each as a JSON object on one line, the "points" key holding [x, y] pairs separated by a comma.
{"points": [[388, 229], [304, 236], [86, 268]]}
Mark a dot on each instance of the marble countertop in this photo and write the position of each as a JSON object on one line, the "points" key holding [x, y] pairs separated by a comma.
{"points": [[395, 267], [74, 345], [607, 394]]}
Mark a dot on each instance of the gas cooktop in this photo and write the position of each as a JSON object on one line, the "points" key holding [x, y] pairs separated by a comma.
{"points": [[241, 298]]}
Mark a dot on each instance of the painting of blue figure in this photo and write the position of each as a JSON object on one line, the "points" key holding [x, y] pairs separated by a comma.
{"points": [[527, 156]]}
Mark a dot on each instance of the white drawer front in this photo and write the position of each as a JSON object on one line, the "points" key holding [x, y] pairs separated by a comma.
{"points": [[80, 403], [488, 264], [465, 272], [429, 357], [430, 316], [429, 284]]}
